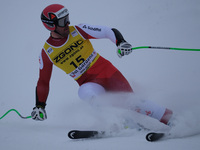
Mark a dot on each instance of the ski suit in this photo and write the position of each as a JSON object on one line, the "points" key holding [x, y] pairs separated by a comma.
{"points": [[76, 56]]}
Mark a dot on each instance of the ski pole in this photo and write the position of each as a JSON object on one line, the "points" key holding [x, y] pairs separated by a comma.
{"points": [[16, 112], [167, 48]]}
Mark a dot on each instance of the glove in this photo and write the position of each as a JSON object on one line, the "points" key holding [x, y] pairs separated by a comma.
{"points": [[124, 48], [38, 113]]}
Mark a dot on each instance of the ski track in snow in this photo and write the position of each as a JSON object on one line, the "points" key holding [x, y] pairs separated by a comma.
{"points": [[169, 78]]}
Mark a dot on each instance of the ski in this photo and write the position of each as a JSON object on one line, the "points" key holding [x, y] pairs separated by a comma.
{"points": [[84, 134], [153, 136], [78, 134]]}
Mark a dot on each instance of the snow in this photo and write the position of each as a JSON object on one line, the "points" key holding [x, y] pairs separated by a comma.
{"points": [[169, 78]]}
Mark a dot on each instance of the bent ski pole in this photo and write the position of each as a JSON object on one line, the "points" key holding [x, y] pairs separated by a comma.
{"points": [[16, 112], [166, 48]]}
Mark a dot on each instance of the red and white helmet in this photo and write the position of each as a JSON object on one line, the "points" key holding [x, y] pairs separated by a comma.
{"points": [[55, 15]]}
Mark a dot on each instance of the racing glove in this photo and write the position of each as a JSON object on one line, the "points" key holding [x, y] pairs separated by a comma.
{"points": [[124, 48], [39, 113]]}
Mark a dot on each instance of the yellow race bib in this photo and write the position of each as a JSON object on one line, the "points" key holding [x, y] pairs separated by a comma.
{"points": [[75, 56]]}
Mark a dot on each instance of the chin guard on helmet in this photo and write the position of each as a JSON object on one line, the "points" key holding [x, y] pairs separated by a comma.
{"points": [[55, 15]]}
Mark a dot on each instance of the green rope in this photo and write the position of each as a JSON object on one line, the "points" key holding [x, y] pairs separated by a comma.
{"points": [[16, 112], [168, 48]]}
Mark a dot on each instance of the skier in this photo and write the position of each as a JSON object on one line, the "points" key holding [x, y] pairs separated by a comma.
{"points": [[69, 48]]}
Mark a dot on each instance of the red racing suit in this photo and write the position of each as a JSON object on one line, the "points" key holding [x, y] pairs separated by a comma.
{"points": [[76, 56]]}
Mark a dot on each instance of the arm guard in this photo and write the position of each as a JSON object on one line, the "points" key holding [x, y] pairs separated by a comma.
{"points": [[119, 37]]}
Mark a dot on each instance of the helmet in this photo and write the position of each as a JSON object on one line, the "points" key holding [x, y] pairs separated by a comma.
{"points": [[55, 15]]}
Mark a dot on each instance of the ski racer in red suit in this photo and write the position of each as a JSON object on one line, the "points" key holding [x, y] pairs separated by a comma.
{"points": [[70, 49]]}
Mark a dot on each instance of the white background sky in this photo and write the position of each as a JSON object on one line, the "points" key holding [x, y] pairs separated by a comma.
{"points": [[169, 78]]}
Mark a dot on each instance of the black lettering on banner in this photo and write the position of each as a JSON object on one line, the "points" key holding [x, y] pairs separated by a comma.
{"points": [[64, 60], [92, 28], [74, 45], [73, 63], [68, 50], [62, 55], [56, 59], [74, 53], [79, 60]]}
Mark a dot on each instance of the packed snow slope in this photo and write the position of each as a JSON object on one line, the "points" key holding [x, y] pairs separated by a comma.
{"points": [[169, 78]]}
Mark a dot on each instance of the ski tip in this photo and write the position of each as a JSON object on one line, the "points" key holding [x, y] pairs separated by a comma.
{"points": [[152, 136], [71, 134], [77, 134]]}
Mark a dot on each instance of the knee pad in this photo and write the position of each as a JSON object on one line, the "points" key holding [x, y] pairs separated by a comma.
{"points": [[90, 90]]}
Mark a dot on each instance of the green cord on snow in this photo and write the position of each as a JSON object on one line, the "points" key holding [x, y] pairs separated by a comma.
{"points": [[157, 47], [168, 48], [16, 112]]}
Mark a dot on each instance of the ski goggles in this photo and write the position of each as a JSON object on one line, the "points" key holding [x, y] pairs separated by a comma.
{"points": [[63, 21]]}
